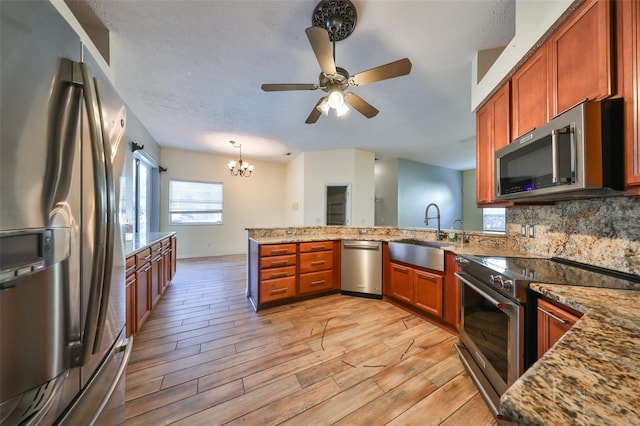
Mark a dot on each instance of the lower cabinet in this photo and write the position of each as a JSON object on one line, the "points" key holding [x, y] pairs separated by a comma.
{"points": [[420, 288], [283, 273], [148, 273], [451, 292], [553, 322]]}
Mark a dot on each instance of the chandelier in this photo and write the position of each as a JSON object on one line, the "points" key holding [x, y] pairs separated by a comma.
{"points": [[241, 168]]}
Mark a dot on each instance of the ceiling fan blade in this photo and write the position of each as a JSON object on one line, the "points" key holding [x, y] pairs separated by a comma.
{"points": [[315, 114], [361, 105], [321, 45], [281, 87], [383, 72]]}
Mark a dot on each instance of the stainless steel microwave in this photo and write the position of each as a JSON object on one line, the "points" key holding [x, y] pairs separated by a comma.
{"points": [[578, 154]]}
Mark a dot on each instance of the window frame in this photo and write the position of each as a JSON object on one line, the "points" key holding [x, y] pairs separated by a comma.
{"points": [[219, 211], [504, 220]]}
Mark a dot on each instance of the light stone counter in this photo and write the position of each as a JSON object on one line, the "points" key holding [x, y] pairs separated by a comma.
{"points": [[592, 375]]}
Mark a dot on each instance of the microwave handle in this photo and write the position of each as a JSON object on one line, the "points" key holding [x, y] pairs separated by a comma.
{"points": [[555, 154]]}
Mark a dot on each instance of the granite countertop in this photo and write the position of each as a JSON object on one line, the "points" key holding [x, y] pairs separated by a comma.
{"points": [[141, 241], [458, 248], [592, 375]]}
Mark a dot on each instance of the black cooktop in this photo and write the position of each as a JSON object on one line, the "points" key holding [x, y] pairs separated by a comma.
{"points": [[524, 270]]}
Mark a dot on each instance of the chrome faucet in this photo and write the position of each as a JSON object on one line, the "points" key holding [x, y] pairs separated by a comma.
{"points": [[426, 219], [462, 228]]}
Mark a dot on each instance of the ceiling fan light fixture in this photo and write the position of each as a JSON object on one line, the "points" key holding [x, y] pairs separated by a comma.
{"points": [[336, 98], [342, 109], [323, 106]]}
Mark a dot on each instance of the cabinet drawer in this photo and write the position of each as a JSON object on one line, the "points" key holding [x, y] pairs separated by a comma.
{"points": [[277, 261], [320, 261], [277, 249], [156, 249], [281, 288], [273, 273], [131, 265], [143, 256], [316, 246], [316, 281]]}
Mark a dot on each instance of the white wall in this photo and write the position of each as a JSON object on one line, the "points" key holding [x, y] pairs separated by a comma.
{"points": [[294, 192], [257, 201], [339, 167]]}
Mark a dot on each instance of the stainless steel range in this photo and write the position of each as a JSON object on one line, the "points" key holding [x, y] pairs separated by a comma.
{"points": [[498, 326]]}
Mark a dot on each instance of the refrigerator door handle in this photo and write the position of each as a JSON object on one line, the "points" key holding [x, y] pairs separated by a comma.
{"points": [[111, 219], [100, 210]]}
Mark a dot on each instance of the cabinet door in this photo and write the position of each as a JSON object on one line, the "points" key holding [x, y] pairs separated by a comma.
{"points": [[553, 323], [316, 282], [451, 296], [581, 56], [530, 94], [174, 248], [428, 292], [401, 282], [282, 288], [155, 285], [492, 133], [131, 321], [484, 155], [143, 295], [630, 64]]}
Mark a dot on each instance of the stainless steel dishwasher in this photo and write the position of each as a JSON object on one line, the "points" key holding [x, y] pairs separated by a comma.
{"points": [[362, 268]]}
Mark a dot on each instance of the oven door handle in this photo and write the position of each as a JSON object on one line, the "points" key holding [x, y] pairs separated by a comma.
{"points": [[498, 301]]}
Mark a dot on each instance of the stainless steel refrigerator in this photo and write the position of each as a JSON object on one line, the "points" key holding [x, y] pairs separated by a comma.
{"points": [[63, 352]]}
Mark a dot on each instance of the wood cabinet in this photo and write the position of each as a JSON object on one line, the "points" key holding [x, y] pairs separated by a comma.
{"points": [[317, 269], [492, 133], [174, 256], [401, 282], [143, 286], [417, 287], [156, 274], [451, 292], [283, 273], [130, 294], [553, 322], [629, 15], [529, 94], [277, 263], [148, 273], [580, 53]]}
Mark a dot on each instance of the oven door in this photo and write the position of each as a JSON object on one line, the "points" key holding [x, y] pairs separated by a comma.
{"points": [[491, 332]]}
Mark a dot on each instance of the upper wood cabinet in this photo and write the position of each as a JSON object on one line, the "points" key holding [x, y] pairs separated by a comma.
{"points": [[530, 94], [629, 15], [580, 53], [493, 126]]}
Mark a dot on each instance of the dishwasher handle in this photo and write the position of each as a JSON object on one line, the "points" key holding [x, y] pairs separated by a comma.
{"points": [[361, 245]]}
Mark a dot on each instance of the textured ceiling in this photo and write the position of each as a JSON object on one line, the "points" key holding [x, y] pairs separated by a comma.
{"points": [[191, 71]]}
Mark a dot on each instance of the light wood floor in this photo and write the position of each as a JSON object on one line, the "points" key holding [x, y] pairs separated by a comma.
{"points": [[204, 357]]}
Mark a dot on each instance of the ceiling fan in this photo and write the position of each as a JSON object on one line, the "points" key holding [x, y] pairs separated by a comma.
{"points": [[334, 20]]}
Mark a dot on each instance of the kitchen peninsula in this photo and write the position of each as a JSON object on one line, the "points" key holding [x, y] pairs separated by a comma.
{"points": [[589, 377]]}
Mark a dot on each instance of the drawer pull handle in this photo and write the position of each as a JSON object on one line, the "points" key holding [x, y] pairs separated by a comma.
{"points": [[317, 283], [317, 262], [147, 257], [279, 251], [279, 263], [398, 269], [561, 320], [279, 290], [279, 275], [317, 248]]}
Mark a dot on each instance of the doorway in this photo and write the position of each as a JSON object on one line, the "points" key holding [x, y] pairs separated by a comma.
{"points": [[337, 204]]}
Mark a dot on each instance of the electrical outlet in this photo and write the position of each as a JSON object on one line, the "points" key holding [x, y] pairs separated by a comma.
{"points": [[523, 230], [532, 231]]}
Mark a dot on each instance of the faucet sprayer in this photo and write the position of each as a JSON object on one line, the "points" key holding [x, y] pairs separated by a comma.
{"points": [[426, 219]]}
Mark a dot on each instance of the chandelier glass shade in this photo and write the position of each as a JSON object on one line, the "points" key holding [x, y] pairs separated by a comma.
{"points": [[240, 168]]}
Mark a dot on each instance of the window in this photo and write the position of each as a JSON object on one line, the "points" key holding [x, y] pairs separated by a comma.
{"points": [[142, 195], [195, 203], [494, 219]]}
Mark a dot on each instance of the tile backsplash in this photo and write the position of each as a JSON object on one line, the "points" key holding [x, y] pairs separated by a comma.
{"points": [[603, 232]]}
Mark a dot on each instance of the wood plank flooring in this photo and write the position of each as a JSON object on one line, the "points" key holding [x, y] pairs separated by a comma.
{"points": [[204, 357]]}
